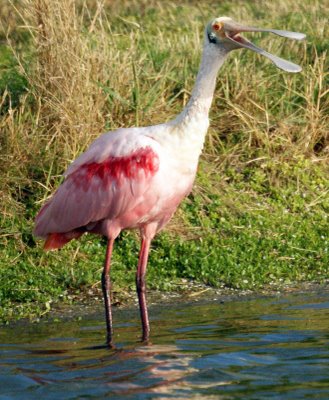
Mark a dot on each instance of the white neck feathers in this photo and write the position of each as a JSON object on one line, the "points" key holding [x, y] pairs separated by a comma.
{"points": [[203, 91]]}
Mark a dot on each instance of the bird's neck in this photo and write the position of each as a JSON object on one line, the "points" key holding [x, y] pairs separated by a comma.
{"points": [[203, 91]]}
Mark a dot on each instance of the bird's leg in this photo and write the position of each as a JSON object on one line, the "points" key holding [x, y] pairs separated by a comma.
{"points": [[106, 287], [141, 287]]}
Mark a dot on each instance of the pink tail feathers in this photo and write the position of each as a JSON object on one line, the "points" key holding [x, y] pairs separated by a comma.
{"points": [[53, 240], [57, 240]]}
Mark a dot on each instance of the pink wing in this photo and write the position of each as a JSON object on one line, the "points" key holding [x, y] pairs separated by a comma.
{"points": [[104, 182]]}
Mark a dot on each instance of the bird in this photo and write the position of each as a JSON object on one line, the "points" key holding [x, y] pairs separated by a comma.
{"points": [[135, 177]]}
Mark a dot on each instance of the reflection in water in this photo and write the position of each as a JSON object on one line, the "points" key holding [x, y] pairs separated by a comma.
{"points": [[252, 348]]}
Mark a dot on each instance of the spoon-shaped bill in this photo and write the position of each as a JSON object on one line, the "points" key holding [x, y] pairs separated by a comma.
{"points": [[234, 26], [286, 34], [279, 62]]}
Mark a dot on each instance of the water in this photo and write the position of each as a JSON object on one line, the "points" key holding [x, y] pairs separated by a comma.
{"points": [[252, 348]]}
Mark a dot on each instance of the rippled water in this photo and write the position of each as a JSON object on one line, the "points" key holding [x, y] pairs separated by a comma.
{"points": [[257, 348]]}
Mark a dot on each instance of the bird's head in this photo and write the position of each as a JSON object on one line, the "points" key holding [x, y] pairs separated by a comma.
{"points": [[225, 33]]}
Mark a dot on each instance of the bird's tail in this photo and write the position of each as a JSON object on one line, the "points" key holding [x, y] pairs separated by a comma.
{"points": [[57, 240], [53, 240]]}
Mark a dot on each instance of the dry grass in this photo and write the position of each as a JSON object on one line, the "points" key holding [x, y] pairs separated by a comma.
{"points": [[65, 74], [96, 65]]}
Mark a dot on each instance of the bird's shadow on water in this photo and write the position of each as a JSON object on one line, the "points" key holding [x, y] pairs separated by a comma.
{"points": [[128, 371]]}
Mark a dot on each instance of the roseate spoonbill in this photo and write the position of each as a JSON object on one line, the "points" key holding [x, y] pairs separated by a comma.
{"points": [[134, 178]]}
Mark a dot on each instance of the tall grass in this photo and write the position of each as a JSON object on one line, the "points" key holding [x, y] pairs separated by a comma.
{"points": [[92, 66]]}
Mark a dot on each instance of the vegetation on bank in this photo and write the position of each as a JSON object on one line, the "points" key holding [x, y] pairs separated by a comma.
{"points": [[258, 214]]}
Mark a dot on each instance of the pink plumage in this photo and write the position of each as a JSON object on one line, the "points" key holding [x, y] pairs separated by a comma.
{"points": [[105, 193], [136, 177]]}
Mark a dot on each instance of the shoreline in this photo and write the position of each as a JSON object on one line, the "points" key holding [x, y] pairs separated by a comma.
{"points": [[74, 307]]}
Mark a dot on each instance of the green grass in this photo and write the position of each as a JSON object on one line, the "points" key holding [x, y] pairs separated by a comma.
{"points": [[258, 214]]}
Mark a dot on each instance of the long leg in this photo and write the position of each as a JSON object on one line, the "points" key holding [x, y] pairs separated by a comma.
{"points": [[106, 287], [141, 287]]}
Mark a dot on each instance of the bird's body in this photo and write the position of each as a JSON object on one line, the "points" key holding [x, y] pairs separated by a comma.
{"points": [[132, 177], [127, 179], [135, 178]]}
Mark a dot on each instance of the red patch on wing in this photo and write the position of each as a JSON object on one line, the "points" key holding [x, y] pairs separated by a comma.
{"points": [[142, 161]]}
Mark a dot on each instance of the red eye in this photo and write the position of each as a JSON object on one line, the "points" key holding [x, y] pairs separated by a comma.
{"points": [[217, 27]]}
